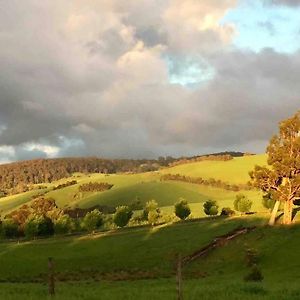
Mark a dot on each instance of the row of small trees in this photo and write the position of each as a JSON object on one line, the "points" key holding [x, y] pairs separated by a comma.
{"points": [[44, 218], [208, 182], [211, 208]]}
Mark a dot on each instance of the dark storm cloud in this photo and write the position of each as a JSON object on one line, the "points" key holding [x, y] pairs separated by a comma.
{"points": [[92, 79]]}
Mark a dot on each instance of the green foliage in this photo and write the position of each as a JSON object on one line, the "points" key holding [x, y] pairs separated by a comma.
{"points": [[31, 228], [151, 212], [153, 216], [282, 177], [182, 209], [93, 220], [210, 208], [122, 216], [227, 211], [150, 205], [9, 228], [267, 201], [242, 203], [64, 224], [38, 225]]}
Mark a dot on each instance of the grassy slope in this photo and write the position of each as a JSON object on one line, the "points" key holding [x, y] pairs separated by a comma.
{"points": [[128, 187], [232, 171], [146, 249], [9, 203]]}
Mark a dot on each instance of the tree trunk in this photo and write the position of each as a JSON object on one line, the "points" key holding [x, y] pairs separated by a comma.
{"points": [[274, 213], [288, 209]]}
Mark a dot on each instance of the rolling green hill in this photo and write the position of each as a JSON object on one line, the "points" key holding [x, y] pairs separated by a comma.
{"points": [[231, 171], [138, 263], [146, 186]]}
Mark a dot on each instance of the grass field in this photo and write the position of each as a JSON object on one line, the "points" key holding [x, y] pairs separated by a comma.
{"points": [[231, 171], [159, 289], [105, 265]]}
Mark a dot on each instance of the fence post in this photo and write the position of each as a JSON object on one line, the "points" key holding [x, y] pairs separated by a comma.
{"points": [[179, 278], [51, 280]]}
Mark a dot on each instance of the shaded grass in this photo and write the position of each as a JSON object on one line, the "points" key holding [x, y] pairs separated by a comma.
{"points": [[159, 289], [143, 249]]}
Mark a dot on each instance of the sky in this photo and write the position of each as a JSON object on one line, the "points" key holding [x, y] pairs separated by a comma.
{"points": [[147, 78]]}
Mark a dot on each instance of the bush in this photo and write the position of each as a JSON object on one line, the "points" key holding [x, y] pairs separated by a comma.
{"points": [[268, 202], [64, 224], [254, 275], [38, 226], [153, 216], [122, 216], [227, 211], [92, 220], [151, 212], [31, 228], [242, 203], [10, 228], [150, 205], [182, 209], [210, 208]]}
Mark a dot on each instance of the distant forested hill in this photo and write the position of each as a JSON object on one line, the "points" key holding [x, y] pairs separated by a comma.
{"points": [[48, 170], [15, 177]]}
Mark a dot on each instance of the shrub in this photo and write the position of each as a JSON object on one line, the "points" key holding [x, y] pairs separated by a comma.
{"points": [[182, 209], [38, 225], [92, 220], [151, 212], [150, 205], [227, 211], [242, 203], [9, 228], [267, 201], [122, 216], [31, 228], [153, 216], [210, 208], [254, 275], [64, 224]]}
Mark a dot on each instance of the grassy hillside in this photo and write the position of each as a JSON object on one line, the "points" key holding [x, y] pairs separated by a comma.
{"points": [[117, 259], [146, 186], [11, 202], [232, 171]]}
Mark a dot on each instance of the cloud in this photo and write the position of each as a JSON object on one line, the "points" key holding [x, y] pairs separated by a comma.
{"points": [[286, 2], [94, 78]]}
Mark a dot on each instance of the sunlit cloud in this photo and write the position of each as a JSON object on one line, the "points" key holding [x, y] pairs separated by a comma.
{"points": [[182, 77]]}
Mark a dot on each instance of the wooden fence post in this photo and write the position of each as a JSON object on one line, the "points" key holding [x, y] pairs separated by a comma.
{"points": [[179, 278], [51, 280]]}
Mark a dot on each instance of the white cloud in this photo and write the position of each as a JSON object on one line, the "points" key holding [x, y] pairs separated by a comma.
{"points": [[92, 78]]}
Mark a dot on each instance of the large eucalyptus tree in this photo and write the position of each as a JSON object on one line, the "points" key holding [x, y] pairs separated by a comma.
{"points": [[281, 179]]}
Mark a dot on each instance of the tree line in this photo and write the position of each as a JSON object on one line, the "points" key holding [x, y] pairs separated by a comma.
{"points": [[209, 182], [42, 217], [17, 177], [95, 187]]}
